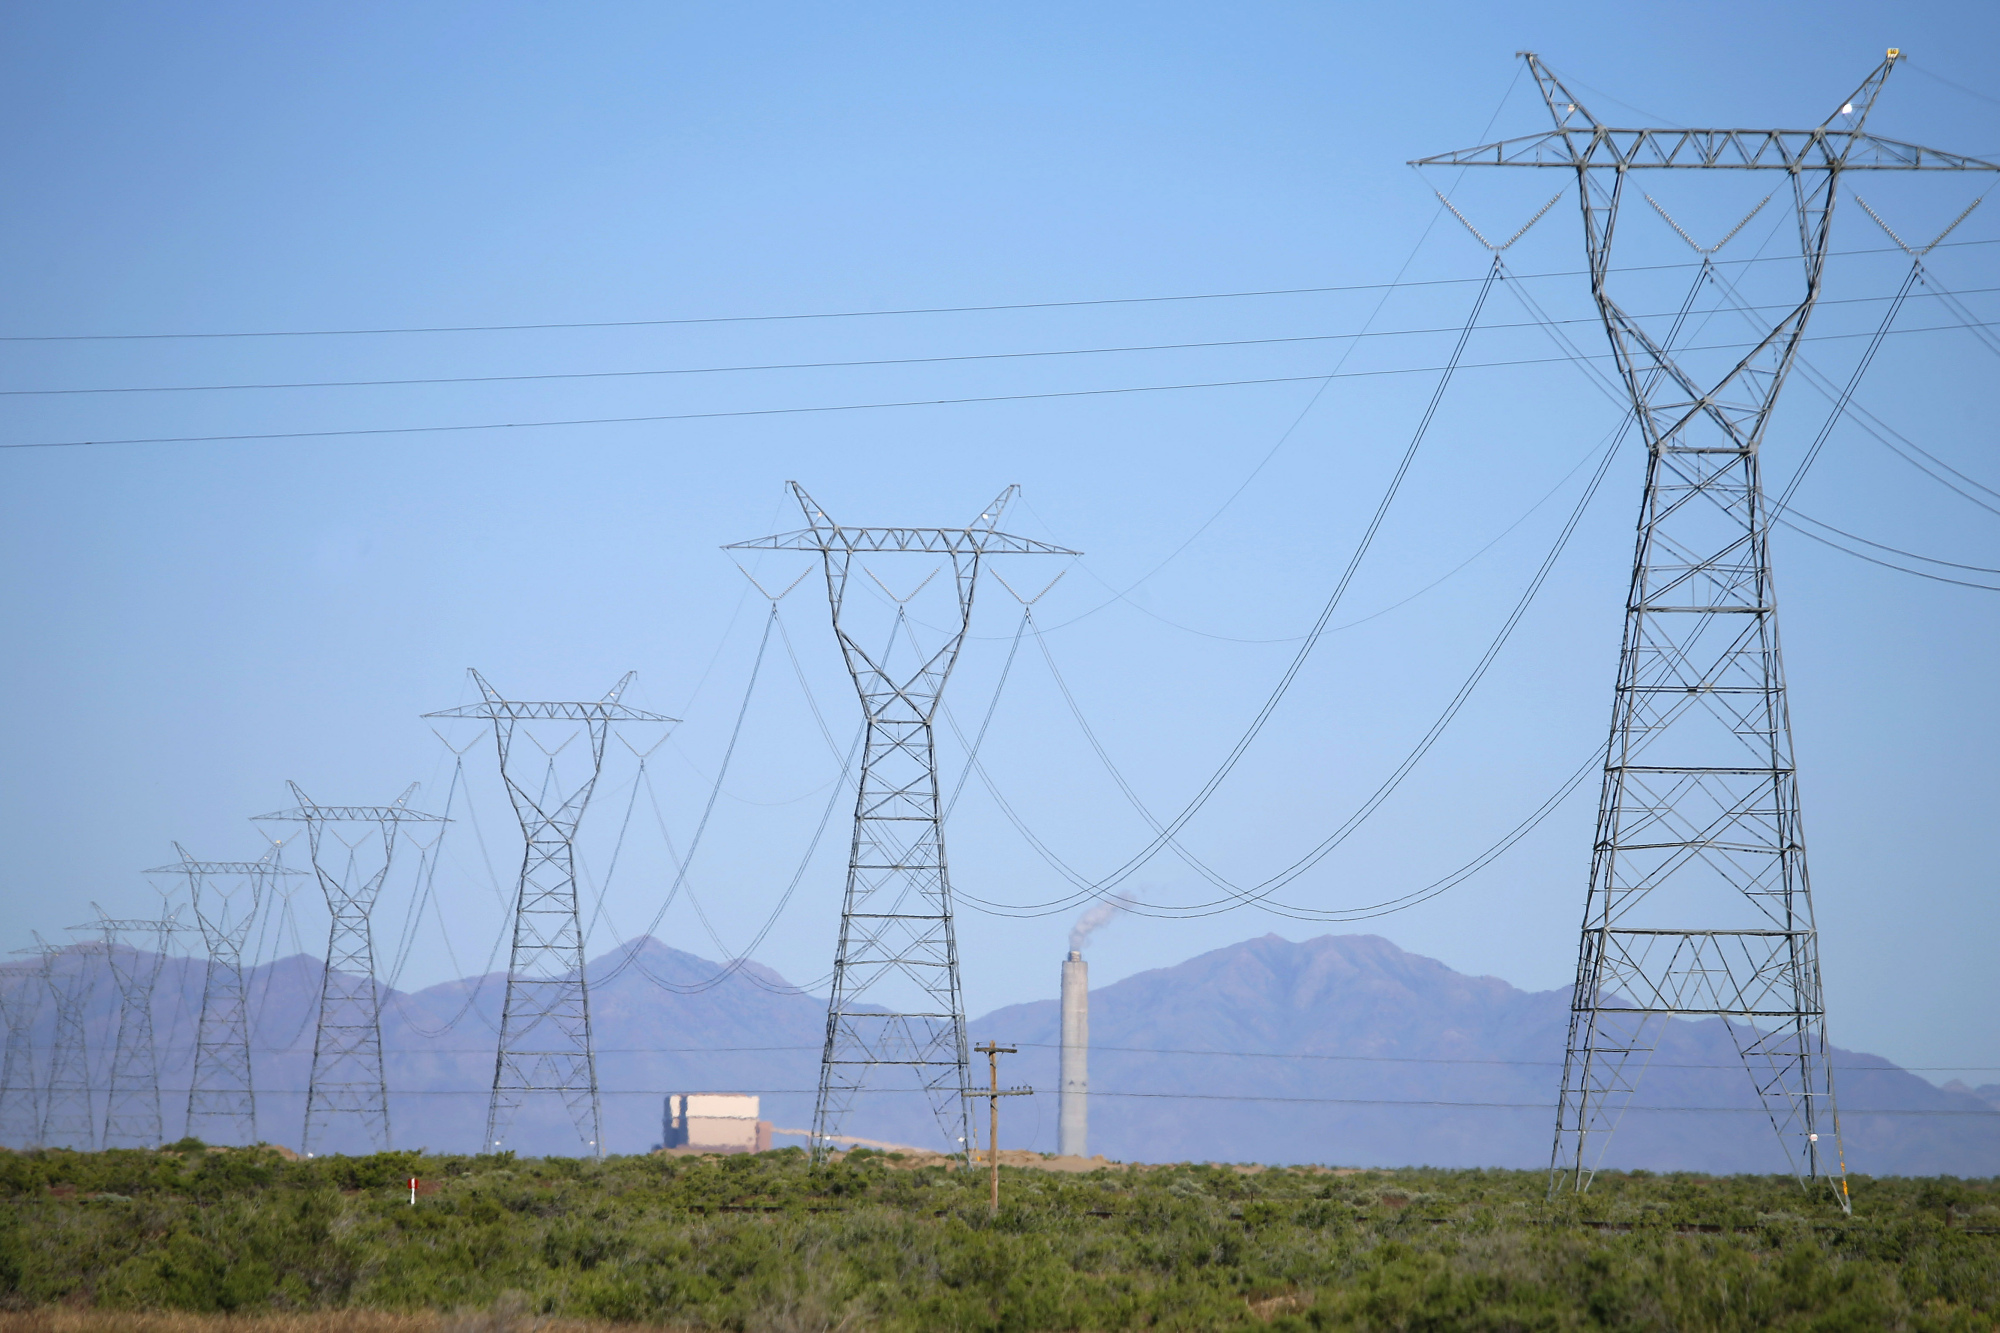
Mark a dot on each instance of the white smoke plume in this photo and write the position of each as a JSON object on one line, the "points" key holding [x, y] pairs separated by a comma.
{"points": [[1097, 918]]}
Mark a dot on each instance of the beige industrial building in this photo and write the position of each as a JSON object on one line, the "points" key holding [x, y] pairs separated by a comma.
{"points": [[715, 1122]]}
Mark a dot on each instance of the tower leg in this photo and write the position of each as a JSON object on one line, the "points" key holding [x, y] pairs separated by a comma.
{"points": [[1699, 904], [897, 943]]}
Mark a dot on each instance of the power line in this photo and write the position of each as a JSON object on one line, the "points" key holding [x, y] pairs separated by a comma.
{"points": [[1244, 1055], [540, 376], [863, 314], [1543, 1107], [651, 418], [1887, 564], [1795, 512]]}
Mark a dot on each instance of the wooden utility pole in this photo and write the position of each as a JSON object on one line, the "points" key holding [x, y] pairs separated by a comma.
{"points": [[993, 1051]]}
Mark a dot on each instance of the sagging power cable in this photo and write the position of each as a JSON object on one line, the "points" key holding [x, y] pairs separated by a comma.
{"points": [[1208, 789], [1259, 894]]}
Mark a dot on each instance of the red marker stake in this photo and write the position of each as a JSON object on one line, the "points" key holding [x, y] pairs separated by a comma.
{"points": [[413, 1191]]}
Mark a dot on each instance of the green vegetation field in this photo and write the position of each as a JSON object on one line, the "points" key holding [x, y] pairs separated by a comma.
{"points": [[873, 1242]]}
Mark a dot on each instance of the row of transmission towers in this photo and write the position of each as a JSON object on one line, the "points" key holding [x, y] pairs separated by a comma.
{"points": [[1698, 903], [61, 1108]]}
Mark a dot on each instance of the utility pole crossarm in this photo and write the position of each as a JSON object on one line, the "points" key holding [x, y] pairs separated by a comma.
{"points": [[1606, 149]]}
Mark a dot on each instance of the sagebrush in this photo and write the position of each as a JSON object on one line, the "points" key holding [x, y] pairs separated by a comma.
{"points": [[874, 1243]]}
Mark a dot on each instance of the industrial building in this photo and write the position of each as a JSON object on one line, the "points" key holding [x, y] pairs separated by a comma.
{"points": [[724, 1122]]}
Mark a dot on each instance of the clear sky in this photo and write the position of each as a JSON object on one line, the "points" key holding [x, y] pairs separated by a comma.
{"points": [[189, 625]]}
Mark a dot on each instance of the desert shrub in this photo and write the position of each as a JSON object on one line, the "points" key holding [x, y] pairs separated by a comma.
{"points": [[765, 1241]]}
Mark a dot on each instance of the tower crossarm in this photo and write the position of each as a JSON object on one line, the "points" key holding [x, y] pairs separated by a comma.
{"points": [[223, 868], [937, 541], [351, 814], [499, 710], [1607, 149]]}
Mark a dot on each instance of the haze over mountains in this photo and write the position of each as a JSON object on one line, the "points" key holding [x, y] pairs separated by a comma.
{"points": [[1341, 1049]]}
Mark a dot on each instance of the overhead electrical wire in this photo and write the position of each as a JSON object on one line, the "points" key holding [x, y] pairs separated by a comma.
{"points": [[1968, 323], [1843, 406], [1881, 546], [855, 314], [1783, 511], [1259, 894], [864, 364], [1233, 1055], [359, 432], [694, 844], [1297, 664], [1165, 833], [738, 960], [1889, 564], [1205, 1097]]}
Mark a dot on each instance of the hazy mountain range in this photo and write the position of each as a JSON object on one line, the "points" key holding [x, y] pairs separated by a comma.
{"points": [[1341, 1049]]}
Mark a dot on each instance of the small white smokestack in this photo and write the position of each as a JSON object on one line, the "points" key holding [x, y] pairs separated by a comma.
{"points": [[1073, 1121]]}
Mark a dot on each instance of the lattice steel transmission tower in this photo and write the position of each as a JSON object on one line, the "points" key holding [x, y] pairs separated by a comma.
{"points": [[132, 1116], [347, 1079], [69, 1101], [545, 1041], [222, 1097], [21, 991], [1699, 905], [896, 999]]}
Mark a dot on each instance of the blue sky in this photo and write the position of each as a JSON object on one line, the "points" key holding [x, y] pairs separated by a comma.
{"points": [[190, 625]]}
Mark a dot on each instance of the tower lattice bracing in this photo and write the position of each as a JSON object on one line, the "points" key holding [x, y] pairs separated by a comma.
{"points": [[1699, 904], [226, 897], [545, 1041], [896, 999], [135, 952], [69, 1100], [21, 992], [347, 1086]]}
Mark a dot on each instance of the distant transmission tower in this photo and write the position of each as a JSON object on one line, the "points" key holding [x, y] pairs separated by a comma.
{"points": [[221, 1097], [132, 1098], [69, 1108], [545, 1041], [896, 999], [1699, 903], [21, 991], [347, 1078]]}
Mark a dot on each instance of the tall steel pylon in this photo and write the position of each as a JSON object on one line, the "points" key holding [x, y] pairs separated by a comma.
{"points": [[896, 999], [222, 1097], [69, 1100], [1699, 904], [347, 1079], [132, 1116], [21, 991], [545, 1040]]}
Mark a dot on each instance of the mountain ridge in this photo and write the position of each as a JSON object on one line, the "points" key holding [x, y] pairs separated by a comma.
{"points": [[1342, 1049]]}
